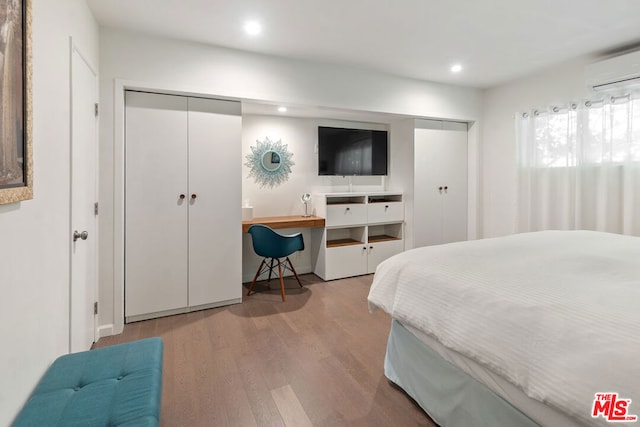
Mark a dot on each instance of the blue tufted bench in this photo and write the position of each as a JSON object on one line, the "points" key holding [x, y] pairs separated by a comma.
{"points": [[119, 385]]}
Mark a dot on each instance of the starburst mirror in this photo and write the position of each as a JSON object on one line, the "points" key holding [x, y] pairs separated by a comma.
{"points": [[269, 162]]}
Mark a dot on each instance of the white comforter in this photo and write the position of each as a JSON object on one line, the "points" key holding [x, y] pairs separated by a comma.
{"points": [[557, 313]]}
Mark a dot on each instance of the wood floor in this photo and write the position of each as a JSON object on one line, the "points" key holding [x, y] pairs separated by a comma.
{"points": [[316, 359]]}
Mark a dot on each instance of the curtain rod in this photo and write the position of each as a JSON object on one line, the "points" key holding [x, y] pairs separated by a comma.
{"points": [[574, 105]]}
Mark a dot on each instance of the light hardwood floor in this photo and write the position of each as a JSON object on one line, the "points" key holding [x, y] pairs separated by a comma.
{"points": [[316, 359]]}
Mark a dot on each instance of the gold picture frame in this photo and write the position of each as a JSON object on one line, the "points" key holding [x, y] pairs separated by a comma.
{"points": [[16, 156]]}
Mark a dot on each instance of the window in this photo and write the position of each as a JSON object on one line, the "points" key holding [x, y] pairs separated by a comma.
{"points": [[579, 166]]}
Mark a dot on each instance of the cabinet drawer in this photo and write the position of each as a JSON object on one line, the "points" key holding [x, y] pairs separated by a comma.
{"points": [[346, 214], [385, 212]]}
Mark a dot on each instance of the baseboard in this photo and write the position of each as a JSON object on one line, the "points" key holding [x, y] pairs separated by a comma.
{"points": [[215, 304], [147, 316], [105, 331]]}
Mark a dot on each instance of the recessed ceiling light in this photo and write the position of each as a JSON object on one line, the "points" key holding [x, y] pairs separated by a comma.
{"points": [[456, 68], [253, 28], [282, 109]]}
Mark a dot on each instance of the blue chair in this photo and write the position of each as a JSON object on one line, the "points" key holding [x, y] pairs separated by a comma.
{"points": [[273, 247]]}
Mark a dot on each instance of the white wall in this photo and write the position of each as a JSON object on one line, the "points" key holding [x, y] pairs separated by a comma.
{"points": [[34, 253], [558, 85], [130, 60]]}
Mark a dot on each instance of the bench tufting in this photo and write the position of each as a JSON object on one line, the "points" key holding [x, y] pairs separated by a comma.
{"points": [[120, 385]]}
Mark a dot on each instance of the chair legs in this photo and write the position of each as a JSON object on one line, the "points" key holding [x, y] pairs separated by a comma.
{"points": [[253, 283], [271, 269], [269, 264], [294, 271], [281, 280]]}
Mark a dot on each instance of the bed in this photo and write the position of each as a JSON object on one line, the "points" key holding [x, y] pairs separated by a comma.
{"points": [[521, 330]]}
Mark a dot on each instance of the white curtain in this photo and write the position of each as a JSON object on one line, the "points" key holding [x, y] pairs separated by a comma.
{"points": [[579, 167]]}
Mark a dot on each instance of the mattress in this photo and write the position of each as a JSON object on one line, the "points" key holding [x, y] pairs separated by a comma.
{"points": [[554, 314]]}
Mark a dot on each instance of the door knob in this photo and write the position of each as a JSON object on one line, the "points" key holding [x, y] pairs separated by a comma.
{"points": [[77, 235], [182, 196], [193, 196]]}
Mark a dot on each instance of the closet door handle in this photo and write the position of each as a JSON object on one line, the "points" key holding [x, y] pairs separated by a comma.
{"points": [[440, 190], [77, 235], [182, 196], [194, 196]]}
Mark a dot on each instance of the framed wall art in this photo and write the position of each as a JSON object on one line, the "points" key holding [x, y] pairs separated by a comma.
{"points": [[16, 164]]}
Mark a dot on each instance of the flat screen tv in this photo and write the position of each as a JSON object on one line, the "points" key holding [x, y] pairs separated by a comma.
{"points": [[346, 152]]}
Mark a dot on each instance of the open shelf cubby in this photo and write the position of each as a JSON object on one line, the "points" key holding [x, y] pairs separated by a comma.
{"points": [[385, 232], [346, 200], [345, 236], [385, 198], [382, 238]]}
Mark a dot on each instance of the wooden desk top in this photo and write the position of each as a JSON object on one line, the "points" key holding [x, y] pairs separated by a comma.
{"points": [[295, 221]]}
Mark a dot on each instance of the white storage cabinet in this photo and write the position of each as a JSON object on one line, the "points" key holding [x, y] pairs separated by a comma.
{"points": [[361, 230]]}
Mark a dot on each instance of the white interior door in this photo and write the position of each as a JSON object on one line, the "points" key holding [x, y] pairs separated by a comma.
{"points": [[215, 187], [83, 196], [156, 203]]}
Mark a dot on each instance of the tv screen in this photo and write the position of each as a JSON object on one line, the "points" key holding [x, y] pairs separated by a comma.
{"points": [[352, 151]]}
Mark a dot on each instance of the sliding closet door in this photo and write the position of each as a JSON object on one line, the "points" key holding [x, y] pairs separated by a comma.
{"points": [[156, 243], [215, 187]]}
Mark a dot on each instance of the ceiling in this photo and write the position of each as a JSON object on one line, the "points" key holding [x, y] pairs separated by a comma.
{"points": [[494, 40]]}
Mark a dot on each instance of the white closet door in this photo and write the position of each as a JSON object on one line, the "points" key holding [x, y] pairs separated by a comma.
{"points": [[215, 188], [440, 214], [428, 207], [156, 216], [454, 169]]}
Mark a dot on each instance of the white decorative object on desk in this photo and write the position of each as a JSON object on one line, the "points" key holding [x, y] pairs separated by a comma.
{"points": [[247, 210], [306, 198], [247, 213]]}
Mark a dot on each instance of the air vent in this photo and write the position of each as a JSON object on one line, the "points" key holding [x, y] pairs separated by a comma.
{"points": [[614, 73]]}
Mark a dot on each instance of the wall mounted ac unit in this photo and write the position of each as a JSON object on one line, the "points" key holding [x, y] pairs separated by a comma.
{"points": [[614, 73]]}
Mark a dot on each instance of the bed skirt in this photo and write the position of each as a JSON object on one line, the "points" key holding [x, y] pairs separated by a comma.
{"points": [[451, 397]]}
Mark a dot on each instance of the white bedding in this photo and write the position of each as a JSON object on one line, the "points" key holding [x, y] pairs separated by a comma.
{"points": [[556, 313]]}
